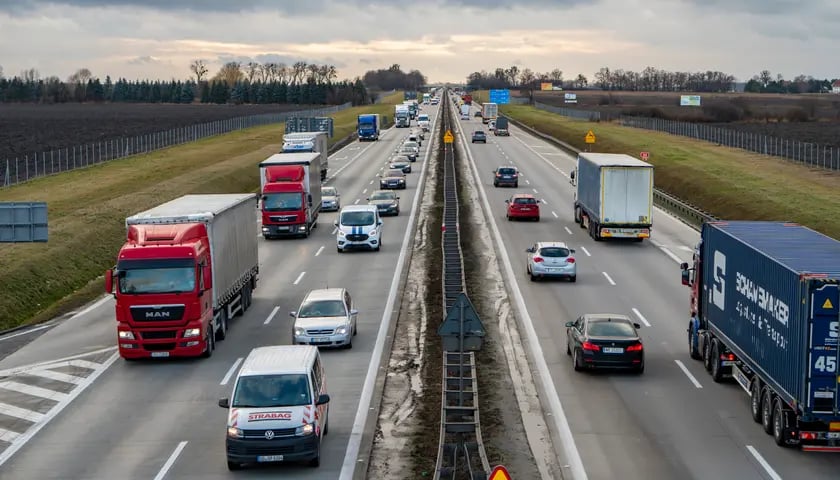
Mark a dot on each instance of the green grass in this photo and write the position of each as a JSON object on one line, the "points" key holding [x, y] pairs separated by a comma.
{"points": [[729, 183], [88, 207]]}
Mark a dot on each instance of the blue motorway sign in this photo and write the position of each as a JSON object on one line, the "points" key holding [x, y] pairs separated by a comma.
{"points": [[500, 97]]}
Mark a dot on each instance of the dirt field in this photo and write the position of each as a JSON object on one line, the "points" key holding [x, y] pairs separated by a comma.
{"points": [[27, 129], [807, 117]]}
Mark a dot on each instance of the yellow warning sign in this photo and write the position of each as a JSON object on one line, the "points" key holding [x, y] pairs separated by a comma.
{"points": [[590, 137], [827, 305], [499, 473], [447, 137]]}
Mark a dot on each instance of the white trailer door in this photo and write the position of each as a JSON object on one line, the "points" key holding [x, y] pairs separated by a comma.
{"points": [[627, 195]]}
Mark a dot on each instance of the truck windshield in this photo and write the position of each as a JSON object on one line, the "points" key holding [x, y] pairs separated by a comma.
{"points": [[262, 391], [282, 202], [357, 219], [138, 281]]}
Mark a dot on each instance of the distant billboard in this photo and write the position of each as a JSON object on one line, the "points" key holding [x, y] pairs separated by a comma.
{"points": [[570, 98], [689, 100], [546, 86]]}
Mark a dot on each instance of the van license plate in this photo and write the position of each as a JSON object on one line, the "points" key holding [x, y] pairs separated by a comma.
{"points": [[613, 350], [160, 354], [270, 458]]}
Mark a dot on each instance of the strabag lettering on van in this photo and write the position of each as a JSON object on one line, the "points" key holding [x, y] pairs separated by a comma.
{"points": [[267, 416]]}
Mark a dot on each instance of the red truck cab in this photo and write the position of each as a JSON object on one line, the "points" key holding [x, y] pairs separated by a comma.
{"points": [[284, 201]]}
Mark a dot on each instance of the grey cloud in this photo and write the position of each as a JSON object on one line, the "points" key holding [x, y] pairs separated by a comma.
{"points": [[144, 60], [763, 7]]}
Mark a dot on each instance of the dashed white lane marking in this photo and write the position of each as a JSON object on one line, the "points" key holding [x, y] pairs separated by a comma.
{"points": [[585, 251], [170, 461], [641, 317], [568, 231], [766, 466], [299, 278], [271, 316], [609, 279], [231, 371], [319, 251], [688, 374]]}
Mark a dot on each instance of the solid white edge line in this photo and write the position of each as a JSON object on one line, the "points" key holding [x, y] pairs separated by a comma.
{"points": [[641, 317], [766, 466], [319, 251], [232, 370], [585, 251], [560, 421], [671, 255], [609, 279], [170, 461], [688, 374], [78, 314], [26, 436], [272, 314], [25, 332], [355, 441], [299, 278]]}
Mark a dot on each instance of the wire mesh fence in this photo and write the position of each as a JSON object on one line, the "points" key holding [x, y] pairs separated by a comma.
{"points": [[28, 167], [570, 112]]}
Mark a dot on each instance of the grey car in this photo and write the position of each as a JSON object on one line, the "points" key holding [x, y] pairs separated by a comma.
{"points": [[330, 199], [325, 318], [409, 152], [551, 260], [392, 179], [386, 201], [403, 165]]}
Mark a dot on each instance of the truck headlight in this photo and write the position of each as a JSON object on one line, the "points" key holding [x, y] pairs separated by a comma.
{"points": [[304, 430], [300, 331], [192, 332], [125, 335], [234, 432]]}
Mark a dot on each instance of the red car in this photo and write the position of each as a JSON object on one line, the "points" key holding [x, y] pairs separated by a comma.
{"points": [[523, 205]]}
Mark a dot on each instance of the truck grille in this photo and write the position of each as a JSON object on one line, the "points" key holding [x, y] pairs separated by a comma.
{"points": [[322, 331], [157, 313], [158, 335], [357, 237], [283, 218]]}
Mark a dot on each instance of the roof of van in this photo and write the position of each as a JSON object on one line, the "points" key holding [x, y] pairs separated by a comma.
{"points": [[279, 359], [358, 208]]}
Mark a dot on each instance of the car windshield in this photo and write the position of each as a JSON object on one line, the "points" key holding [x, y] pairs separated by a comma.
{"points": [[328, 192], [507, 171], [262, 391], [410, 145], [554, 252], [357, 219], [282, 202], [423, 118], [157, 280], [383, 196], [322, 308], [524, 201], [604, 328], [478, 133], [394, 173]]}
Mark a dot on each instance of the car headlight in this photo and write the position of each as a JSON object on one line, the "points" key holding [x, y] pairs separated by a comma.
{"points": [[372, 233], [341, 330], [125, 335], [304, 430], [300, 331], [192, 332], [234, 432]]}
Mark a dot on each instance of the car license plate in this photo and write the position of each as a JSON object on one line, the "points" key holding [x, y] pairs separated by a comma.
{"points": [[613, 350], [270, 458], [160, 354], [321, 339]]}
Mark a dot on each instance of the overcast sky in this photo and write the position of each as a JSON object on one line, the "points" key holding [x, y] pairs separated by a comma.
{"points": [[444, 39]]}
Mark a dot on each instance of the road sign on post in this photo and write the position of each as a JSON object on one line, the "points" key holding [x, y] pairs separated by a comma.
{"points": [[499, 473], [23, 222], [447, 137], [645, 155], [590, 137], [501, 97]]}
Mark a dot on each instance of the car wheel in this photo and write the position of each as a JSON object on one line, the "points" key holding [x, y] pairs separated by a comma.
{"points": [[568, 349], [339, 250], [533, 277], [516, 185], [641, 368], [537, 219], [573, 278], [495, 184], [576, 361]]}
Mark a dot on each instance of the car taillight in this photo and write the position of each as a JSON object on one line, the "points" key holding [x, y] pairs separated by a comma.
{"points": [[589, 346], [570, 260], [515, 175], [538, 259], [498, 174], [635, 348]]}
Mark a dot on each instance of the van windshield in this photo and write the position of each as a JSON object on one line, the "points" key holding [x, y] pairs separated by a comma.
{"points": [[357, 219], [261, 391]]}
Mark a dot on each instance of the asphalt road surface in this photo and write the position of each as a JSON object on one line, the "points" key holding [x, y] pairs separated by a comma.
{"points": [[70, 408], [671, 422]]}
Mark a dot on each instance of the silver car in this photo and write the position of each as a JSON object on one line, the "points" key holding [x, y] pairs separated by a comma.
{"points": [[330, 199], [551, 259], [326, 318]]}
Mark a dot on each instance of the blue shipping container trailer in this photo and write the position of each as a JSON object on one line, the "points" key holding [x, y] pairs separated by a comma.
{"points": [[765, 310]]}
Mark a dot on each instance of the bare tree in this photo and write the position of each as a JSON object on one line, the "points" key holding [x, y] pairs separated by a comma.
{"points": [[512, 74], [556, 75], [230, 73], [281, 72], [252, 70], [30, 75], [527, 78], [332, 73], [199, 69], [298, 71], [1, 71], [581, 81]]}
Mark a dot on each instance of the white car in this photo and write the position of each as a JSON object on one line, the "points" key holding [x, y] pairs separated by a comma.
{"points": [[358, 226], [551, 260], [325, 318]]}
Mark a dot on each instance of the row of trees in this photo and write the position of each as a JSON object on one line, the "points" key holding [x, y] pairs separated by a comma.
{"points": [[234, 83], [650, 79], [393, 78]]}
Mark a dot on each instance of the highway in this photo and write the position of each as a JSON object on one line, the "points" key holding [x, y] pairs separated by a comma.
{"points": [[103, 418], [671, 422]]}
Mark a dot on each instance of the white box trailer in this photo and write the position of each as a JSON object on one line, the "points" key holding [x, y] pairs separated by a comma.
{"points": [[301, 142]]}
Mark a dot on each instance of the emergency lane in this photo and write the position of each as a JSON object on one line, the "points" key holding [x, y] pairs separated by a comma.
{"points": [[670, 421], [161, 419]]}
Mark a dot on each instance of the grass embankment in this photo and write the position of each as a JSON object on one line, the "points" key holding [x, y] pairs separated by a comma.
{"points": [[88, 207], [729, 183]]}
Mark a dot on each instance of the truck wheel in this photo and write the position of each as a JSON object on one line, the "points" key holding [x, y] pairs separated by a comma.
{"points": [[717, 376], [577, 216], [707, 359], [755, 400], [210, 340], [221, 333], [779, 423], [767, 411], [692, 347]]}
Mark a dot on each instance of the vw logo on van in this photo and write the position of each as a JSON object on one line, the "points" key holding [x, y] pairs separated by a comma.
{"points": [[269, 434]]}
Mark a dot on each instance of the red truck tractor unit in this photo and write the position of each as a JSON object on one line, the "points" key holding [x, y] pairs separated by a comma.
{"points": [[290, 184], [187, 267]]}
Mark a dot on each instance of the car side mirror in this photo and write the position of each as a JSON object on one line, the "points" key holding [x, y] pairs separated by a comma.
{"points": [[379, 222], [353, 311], [293, 314], [530, 250], [224, 402], [570, 324], [572, 250], [367, 198], [572, 175], [507, 201], [322, 399], [335, 223], [637, 325], [685, 278], [398, 198]]}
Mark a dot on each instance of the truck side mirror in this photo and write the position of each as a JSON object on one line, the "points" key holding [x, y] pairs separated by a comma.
{"points": [[224, 402], [684, 266], [685, 278], [572, 175], [109, 281], [309, 199]]}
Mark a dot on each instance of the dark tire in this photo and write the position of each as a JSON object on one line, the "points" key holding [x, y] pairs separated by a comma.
{"points": [[516, 185], [755, 400], [537, 219], [707, 359], [568, 349], [578, 366], [767, 411], [717, 374], [316, 462], [779, 417], [533, 277], [339, 250], [210, 339], [641, 368], [692, 349], [221, 333], [573, 279]]}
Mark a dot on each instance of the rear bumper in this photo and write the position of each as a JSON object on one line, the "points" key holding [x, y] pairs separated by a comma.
{"points": [[506, 181], [604, 360], [519, 215], [553, 272], [625, 231]]}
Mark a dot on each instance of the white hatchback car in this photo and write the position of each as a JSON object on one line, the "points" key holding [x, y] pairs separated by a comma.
{"points": [[551, 259]]}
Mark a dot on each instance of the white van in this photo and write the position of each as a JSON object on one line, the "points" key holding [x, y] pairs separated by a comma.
{"points": [[358, 226], [279, 408]]}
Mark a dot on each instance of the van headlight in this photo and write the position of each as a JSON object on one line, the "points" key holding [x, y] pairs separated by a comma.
{"points": [[372, 233], [304, 430], [341, 233], [192, 332], [234, 432]]}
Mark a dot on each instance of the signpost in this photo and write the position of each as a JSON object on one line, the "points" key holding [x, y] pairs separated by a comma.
{"points": [[500, 97], [447, 137], [590, 139], [645, 155]]}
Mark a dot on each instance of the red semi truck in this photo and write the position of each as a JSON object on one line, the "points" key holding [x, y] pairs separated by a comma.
{"points": [[187, 268], [291, 194]]}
